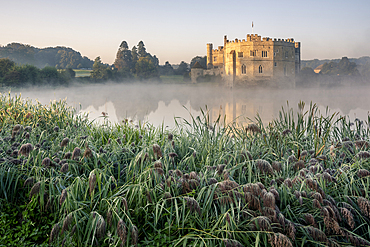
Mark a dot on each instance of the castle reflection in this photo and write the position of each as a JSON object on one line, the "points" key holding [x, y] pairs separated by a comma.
{"points": [[160, 103]]}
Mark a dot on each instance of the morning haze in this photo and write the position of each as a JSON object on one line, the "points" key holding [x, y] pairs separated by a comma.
{"points": [[185, 123]]}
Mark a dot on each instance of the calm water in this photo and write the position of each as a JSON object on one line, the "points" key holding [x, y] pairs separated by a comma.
{"points": [[159, 104]]}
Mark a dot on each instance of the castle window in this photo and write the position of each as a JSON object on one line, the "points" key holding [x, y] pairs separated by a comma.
{"points": [[260, 69], [240, 54], [253, 53], [244, 69], [286, 54], [264, 53], [274, 54], [214, 59], [215, 67], [275, 64]]}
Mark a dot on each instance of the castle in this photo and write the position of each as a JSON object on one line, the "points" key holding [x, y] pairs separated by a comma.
{"points": [[253, 62]]}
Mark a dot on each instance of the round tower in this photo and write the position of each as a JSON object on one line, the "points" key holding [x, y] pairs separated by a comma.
{"points": [[209, 56]]}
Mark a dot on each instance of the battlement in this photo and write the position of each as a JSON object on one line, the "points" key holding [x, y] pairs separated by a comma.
{"points": [[220, 48], [258, 38]]}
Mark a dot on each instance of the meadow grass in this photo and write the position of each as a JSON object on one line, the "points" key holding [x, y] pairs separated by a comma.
{"points": [[302, 180], [82, 72]]}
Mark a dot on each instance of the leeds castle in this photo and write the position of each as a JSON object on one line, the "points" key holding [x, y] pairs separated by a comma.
{"points": [[253, 61]]}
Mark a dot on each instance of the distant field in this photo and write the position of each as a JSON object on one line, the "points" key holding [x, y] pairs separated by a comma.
{"points": [[172, 78], [82, 72]]}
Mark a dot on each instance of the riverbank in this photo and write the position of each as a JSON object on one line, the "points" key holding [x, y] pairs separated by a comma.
{"points": [[301, 180]]}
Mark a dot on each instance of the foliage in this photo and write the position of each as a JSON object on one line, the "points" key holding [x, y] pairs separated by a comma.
{"points": [[199, 59], [100, 71], [302, 180], [59, 57], [23, 75], [136, 62]]}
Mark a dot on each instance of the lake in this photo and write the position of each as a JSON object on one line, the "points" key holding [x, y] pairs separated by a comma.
{"points": [[161, 103]]}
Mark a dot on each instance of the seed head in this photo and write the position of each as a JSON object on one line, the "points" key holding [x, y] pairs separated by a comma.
{"points": [[64, 142], [54, 233], [29, 181], [158, 164], [124, 203], [286, 132], [220, 168], [92, 181], [56, 129], [253, 128], [35, 189], [290, 230], [310, 220], [348, 216], [317, 234], [122, 231], [88, 153], [170, 137], [109, 218], [364, 205], [64, 168], [46, 162], [67, 155], [76, 153], [276, 166], [292, 159], [178, 173], [157, 151], [279, 240], [134, 235], [25, 149], [172, 155], [363, 173], [261, 223], [264, 166], [66, 222], [192, 205], [63, 196], [316, 203], [100, 227], [269, 200]]}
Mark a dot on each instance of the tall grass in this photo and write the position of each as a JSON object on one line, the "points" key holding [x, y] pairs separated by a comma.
{"points": [[302, 180]]}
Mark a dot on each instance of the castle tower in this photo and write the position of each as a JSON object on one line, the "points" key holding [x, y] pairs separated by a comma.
{"points": [[209, 56], [297, 57]]}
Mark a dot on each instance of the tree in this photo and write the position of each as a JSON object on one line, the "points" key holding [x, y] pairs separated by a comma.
{"points": [[199, 59], [49, 74], [5, 66], [182, 69], [135, 57], [166, 69], [123, 61], [100, 71], [141, 50], [146, 69]]}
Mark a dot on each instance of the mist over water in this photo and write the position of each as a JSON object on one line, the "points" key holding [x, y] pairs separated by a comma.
{"points": [[160, 103]]}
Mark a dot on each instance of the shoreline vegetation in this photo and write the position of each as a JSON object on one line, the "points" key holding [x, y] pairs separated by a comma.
{"points": [[24, 65], [301, 180]]}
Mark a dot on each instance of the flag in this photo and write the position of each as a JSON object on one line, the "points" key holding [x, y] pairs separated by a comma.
{"points": [[252, 23]]}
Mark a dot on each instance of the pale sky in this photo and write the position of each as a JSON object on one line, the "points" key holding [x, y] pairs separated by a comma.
{"points": [[177, 31]]}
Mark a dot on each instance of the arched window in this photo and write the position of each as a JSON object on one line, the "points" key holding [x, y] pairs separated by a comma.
{"points": [[244, 69], [260, 69]]}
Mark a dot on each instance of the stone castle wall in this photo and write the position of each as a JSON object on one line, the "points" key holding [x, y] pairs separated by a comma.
{"points": [[256, 61]]}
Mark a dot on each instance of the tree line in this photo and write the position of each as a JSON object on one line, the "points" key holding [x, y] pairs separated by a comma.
{"points": [[336, 72], [16, 75], [58, 57]]}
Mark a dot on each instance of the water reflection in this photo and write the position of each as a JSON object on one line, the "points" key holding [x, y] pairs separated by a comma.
{"points": [[159, 104]]}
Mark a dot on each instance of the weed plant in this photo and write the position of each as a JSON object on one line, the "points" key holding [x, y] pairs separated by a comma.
{"points": [[302, 180]]}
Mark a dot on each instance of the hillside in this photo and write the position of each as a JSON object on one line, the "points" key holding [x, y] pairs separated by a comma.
{"points": [[59, 57]]}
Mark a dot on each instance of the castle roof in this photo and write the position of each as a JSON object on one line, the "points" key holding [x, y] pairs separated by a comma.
{"points": [[197, 66]]}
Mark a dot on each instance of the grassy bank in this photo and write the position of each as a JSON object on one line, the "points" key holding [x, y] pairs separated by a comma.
{"points": [[303, 180]]}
